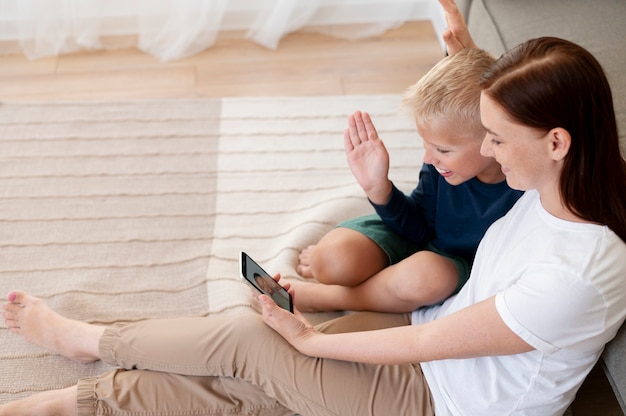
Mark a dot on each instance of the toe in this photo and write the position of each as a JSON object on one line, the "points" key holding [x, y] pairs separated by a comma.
{"points": [[12, 324], [16, 296], [10, 309]]}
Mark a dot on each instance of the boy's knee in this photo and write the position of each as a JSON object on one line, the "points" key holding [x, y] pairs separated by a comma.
{"points": [[346, 257], [324, 263]]}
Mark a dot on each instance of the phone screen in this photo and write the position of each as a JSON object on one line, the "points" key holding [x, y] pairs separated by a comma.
{"points": [[258, 278]]}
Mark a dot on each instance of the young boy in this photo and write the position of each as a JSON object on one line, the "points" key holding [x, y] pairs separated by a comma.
{"points": [[416, 250]]}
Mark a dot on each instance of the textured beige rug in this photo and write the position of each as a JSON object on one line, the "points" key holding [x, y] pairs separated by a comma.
{"points": [[127, 211]]}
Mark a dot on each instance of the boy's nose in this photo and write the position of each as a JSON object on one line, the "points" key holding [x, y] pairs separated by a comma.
{"points": [[428, 158]]}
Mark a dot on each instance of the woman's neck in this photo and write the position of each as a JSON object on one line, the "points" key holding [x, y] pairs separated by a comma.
{"points": [[553, 203]]}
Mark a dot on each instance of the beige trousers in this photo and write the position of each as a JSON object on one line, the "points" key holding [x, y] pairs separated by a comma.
{"points": [[237, 365]]}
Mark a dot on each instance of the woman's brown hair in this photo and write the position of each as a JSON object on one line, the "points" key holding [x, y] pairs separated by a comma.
{"points": [[548, 82]]}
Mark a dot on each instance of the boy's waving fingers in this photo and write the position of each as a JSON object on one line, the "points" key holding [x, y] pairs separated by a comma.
{"points": [[370, 130]]}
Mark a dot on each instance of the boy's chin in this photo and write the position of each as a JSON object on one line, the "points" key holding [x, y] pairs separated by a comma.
{"points": [[455, 180]]}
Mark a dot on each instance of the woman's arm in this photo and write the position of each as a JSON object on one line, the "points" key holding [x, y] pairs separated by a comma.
{"points": [[457, 35], [472, 332]]}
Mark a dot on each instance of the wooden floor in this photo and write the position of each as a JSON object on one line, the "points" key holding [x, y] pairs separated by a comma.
{"points": [[304, 64]]}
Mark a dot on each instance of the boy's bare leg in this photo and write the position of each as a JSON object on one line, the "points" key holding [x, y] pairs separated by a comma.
{"points": [[48, 403], [343, 257], [34, 321], [425, 278]]}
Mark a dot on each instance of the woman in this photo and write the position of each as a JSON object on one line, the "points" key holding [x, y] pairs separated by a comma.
{"points": [[546, 293]]}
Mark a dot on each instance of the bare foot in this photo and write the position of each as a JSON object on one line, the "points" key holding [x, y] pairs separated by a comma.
{"points": [[33, 320], [304, 263], [47, 403]]}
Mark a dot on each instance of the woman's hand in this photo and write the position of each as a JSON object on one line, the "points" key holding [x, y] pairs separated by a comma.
{"points": [[292, 326], [457, 35]]}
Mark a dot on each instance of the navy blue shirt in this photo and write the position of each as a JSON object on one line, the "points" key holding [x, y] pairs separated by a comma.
{"points": [[454, 218]]}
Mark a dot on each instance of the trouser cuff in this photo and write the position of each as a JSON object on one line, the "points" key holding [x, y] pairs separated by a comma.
{"points": [[86, 397]]}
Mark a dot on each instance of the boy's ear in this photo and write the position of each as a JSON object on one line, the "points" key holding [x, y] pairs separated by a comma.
{"points": [[560, 141]]}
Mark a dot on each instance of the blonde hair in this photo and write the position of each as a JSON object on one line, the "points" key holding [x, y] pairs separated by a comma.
{"points": [[450, 91]]}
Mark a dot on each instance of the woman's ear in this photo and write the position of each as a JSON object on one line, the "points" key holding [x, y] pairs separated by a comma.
{"points": [[560, 141]]}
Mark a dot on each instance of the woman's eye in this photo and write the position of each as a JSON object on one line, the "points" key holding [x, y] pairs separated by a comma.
{"points": [[443, 151], [495, 142]]}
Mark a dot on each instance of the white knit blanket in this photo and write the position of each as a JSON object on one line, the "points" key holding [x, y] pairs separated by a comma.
{"points": [[133, 210]]}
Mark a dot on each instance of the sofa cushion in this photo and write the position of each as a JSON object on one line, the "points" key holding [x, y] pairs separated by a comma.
{"points": [[599, 26]]}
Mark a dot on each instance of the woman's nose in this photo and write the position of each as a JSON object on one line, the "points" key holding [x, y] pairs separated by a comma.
{"points": [[485, 148]]}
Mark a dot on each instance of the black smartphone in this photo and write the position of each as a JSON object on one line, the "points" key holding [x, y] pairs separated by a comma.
{"points": [[259, 279]]}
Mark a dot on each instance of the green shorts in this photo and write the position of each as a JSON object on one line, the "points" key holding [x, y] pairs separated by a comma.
{"points": [[397, 248]]}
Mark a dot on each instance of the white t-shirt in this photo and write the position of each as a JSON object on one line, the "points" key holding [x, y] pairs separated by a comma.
{"points": [[559, 285]]}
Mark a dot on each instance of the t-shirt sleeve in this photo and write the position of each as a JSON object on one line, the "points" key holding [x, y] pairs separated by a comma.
{"points": [[551, 309]]}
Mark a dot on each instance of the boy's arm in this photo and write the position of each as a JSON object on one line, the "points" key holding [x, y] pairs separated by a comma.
{"points": [[413, 217], [369, 162]]}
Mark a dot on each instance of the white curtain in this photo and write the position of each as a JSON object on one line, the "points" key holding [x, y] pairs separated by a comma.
{"points": [[174, 29]]}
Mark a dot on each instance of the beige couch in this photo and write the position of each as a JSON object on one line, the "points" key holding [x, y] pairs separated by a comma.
{"points": [[600, 27]]}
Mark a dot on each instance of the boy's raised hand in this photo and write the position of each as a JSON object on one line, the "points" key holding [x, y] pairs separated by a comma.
{"points": [[367, 157]]}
